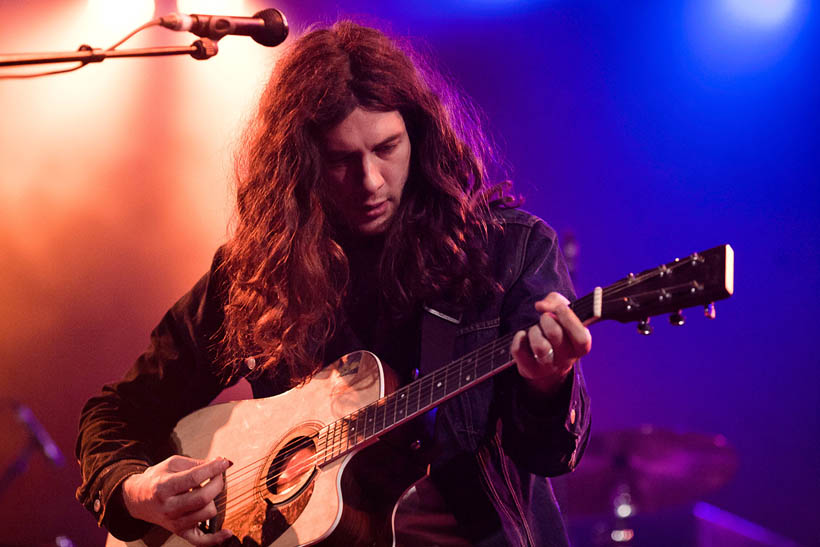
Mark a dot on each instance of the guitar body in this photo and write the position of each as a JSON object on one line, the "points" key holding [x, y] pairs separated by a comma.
{"points": [[264, 436]]}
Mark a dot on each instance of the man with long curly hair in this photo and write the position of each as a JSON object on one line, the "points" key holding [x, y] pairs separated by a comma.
{"points": [[365, 220]]}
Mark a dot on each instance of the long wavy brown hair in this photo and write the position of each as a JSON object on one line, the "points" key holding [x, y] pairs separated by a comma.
{"points": [[287, 270]]}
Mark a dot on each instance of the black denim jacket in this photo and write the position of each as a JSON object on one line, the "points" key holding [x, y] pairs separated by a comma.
{"points": [[496, 443]]}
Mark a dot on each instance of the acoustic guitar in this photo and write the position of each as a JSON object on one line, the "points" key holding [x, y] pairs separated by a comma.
{"points": [[287, 484]]}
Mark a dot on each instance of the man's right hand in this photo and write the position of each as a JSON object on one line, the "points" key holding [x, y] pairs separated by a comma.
{"points": [[178, 494]]}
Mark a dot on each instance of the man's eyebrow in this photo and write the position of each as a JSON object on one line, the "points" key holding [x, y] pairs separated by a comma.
{"points": [[389, 139], [330, 150]]}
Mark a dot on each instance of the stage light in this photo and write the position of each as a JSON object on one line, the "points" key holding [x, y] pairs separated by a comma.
{"points": [[106, 21], [622, 536], [624, 510], [743, 36], [214, 7], [761, 12]]}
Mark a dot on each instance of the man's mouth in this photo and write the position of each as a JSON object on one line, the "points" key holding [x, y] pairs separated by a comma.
{"points": [[374, 210]]}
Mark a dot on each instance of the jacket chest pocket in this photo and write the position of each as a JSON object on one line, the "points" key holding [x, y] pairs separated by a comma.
{"points": [[464, 419]]}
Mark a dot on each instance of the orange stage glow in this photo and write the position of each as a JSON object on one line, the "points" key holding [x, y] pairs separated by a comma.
{"points": [[106, 21], [115, 190]]}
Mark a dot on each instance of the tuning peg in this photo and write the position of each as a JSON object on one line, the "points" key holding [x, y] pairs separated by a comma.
{"points": [[644, 327], [677, 318], [709, 310]]}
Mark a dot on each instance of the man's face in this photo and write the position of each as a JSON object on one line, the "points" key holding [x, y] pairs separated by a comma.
{"points": [[366, 162]]}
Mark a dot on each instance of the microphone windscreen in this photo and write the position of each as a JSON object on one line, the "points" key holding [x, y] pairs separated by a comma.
{"points": [[275, 30]]}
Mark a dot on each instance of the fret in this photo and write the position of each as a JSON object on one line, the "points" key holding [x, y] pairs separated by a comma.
{"points": [[426, 391], [321, 446], [389, 411], [350, 431], [350, 423], [344, 445], [503, 356], [454, 377], [483, 365], [401, 404], [413, 402], [418, 395], [328, 431], [370, 424], [330, 444], [360, 427], [498, 357], [468, 371], [379, 417], [337, 438], [340, 437], [439, 387], [450, 380]]}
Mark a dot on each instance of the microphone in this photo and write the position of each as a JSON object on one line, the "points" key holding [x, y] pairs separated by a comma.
{"points": [[39, 434], [267, 27]]}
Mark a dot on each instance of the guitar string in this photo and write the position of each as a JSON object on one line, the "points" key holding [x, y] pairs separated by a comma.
{"points": [[614, 288], [640, 278], [344, 432], [415, 386], [343, 443], [252, 467], [335, 447]]}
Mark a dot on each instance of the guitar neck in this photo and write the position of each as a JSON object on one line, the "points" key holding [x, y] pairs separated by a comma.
{"points": [[700, 278], [366, 424]]}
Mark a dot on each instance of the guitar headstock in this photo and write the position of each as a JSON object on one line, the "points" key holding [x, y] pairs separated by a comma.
{"points": [[699, 279]]}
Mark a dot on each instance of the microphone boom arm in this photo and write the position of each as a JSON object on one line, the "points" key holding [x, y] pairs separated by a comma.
{"points": [[201, 49]]}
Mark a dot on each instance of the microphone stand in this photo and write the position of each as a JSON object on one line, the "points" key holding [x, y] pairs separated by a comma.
{"points": [[18, 466], [202, 49], [38, 441]]}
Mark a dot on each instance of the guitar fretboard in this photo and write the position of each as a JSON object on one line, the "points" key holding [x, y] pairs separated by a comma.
{"points": [[700, 278], [406, 403]]}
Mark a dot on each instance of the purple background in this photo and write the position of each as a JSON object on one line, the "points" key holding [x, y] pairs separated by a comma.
{"points": [[648, 130]]}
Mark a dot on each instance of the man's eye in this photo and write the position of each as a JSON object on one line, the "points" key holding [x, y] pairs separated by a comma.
{"points": [[336, 162]]}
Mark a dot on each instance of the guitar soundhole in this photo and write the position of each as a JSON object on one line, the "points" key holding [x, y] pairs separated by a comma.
{"points": [[292, 468]]}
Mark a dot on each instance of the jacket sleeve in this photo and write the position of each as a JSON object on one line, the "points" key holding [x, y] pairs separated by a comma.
{"points": [[126, 428], [545, 435]]}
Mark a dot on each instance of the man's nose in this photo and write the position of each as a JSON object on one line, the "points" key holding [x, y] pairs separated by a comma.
{"points": [[372, 178]]}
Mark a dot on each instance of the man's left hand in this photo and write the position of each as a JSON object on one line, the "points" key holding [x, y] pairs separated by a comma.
{"points": [[546, 352]]}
